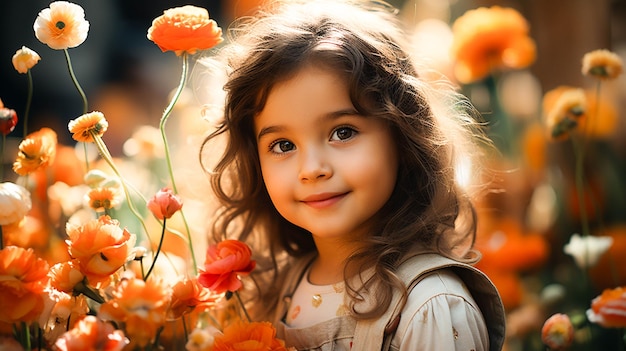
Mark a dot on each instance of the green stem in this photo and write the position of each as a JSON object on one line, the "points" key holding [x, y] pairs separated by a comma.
{"points": [[243, 307], [4, 139], [29, 98], [156, 255], [25, 336], [166, 113], [80, 90], [579, 154]]}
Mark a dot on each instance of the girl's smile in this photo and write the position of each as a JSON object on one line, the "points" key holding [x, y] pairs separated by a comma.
{"points": [[327, 168]]}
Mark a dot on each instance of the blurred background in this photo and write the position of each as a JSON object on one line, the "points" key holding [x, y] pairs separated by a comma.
{"points": [[524, 223]]}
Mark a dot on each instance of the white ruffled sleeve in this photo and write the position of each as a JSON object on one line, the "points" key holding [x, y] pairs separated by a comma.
{"points": [[441, 315]]}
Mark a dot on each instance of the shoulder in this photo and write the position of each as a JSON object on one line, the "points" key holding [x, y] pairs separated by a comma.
{"points": [[441, 313]]}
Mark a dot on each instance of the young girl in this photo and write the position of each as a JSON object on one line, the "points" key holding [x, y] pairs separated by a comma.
{"points": [[339, 166]]}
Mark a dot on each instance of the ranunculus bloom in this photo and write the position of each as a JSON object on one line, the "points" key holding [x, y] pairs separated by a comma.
{"points": [[23, 277], [187, 295], [248, 336], [488, 39], [557, 332], [224, 264], [8, 120], [602, 64], [14, 203], [588, 249], [101, 247], [185, 29], [24, 59], [62, 312], [563, 109], [201, 339], [609, 309], [104, 198], [90, 333], [37, 151], [165, 203], [65, 275], [139, 307], [62, 25], [84, 127]]}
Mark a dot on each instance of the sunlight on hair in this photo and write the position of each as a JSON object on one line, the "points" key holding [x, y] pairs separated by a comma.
{"points": [[463, 172]]}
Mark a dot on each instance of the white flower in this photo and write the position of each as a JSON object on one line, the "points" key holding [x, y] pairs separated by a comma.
{"points": [[62, 25], [24, 59], [587, 250], [14, 203], [201, 339]]}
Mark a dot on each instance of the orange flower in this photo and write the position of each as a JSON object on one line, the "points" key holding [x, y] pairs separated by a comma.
{"points": [[23, 277], [563, 108], [101, 247], [224, 264], [92, 334], [248, 336], [185, 29], [62, 25], [609, 309], [187, 295], [36, 151], [62, 312], [139, 307], [25, 59], [165, 203], [64, 276], [15, 203], [104, 198], [557, 332], [486, 39], [602, 64], [87, 125]]}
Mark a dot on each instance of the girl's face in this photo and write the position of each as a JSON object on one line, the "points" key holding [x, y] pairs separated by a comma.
{"points": [[326, 168]]}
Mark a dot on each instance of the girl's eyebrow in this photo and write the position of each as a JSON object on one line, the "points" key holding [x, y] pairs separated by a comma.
{"points": [[328, 116]]}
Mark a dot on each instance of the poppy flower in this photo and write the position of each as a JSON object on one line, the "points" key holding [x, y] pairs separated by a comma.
{"points": [[62, 25], [248, 336], [23, 277], [104, 198], [87, 125], [488, 39], [36, 151], [185, 29], [557, 332], [225, 263], [602, 64], [91, 333], [139, 307], [64, 276], [101, 247], [165, 203], [187, 295], [14, 203], [25, 59], [8, 119], [609, 309]]}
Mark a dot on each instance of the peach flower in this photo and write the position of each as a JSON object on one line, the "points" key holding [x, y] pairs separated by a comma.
{"points": [[15, 203], [62, 25], [64, 276], [85, 127], [602, 64], [25, 59], [557, 332], [36, 151], [62, 312], [139, 307], [609, 309], [563, 109], [165, 203], [90, 333], [105, 198], [23, 277], [487, 39], [185, 29], [187, 295], [101, 247], [224, 264]]}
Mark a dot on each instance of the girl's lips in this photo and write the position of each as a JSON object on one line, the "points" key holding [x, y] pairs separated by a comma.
{"points": [[323, 200]]}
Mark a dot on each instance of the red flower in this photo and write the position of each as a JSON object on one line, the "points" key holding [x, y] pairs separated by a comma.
{"points": [[224, 264], [165, 203], [609, 309], [8, 120]]}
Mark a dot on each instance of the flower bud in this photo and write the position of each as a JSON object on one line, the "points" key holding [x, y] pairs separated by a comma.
{"points": [[557, 332], [165, 203]]}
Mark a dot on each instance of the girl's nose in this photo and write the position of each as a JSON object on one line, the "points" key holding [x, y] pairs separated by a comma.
{"points": [[314, 166]]}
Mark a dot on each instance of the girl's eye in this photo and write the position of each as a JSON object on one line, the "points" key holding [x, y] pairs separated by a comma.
{"points": [[343, 133], [282, 146]]}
